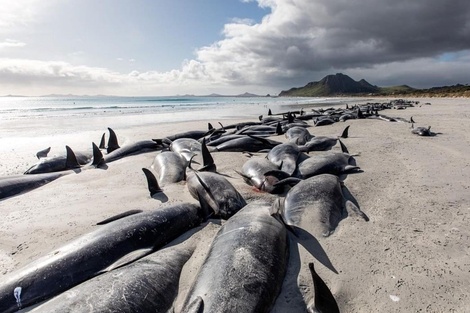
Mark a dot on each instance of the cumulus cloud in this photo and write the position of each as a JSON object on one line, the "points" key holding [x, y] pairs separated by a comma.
{"points": [[10, 43], [422, 43], [58, 75]]}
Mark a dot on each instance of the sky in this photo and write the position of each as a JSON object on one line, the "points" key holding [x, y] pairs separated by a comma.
{"points": [[177, 47]]}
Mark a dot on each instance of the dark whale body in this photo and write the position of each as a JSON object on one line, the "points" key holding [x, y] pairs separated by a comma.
{"points": [[109, 246], [245, 266]]}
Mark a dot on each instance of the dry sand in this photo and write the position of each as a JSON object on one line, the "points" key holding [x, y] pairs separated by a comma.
{"points": [[412, 256]]}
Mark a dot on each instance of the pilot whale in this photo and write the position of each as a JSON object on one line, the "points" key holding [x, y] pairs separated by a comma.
{"points": [[109, 246], [245, 266]]}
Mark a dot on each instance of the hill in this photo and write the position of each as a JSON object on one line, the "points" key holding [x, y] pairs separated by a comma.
{"points": [[332, 85], [343, 85]]}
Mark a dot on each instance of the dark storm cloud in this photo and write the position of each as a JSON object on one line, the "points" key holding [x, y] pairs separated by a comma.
{"points": [[303, 38]]}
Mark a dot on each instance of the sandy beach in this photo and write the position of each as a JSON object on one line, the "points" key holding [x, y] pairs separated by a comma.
{"points": [[412, 256]]}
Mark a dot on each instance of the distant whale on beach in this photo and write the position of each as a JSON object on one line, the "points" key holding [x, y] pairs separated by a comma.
{"points": [[50, 170], [70, 160]]}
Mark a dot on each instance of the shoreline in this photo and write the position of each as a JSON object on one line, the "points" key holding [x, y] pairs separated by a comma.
{"points": [[415, 191]]}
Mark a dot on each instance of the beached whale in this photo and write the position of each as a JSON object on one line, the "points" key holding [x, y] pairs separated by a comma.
{"points": [[317, 205], [298, 135], [146, 285], [245, 266], [13, 185], [422, 131], [216, 191], [323, 143], [170, 167], [327, 162], [116, 152], [246, 144], [70, 160], [111, 245], [17, 184], [285, 156], [263, 175]]}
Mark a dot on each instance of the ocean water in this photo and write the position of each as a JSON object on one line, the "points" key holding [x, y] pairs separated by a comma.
{"points": [[30, 124], [13, 108]]}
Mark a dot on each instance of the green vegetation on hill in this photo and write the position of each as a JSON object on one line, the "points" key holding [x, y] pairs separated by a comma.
{"points": [[343, 85]]}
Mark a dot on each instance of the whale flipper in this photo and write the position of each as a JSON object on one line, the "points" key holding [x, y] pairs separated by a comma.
{"points": [[118, 216], [324, 300]]}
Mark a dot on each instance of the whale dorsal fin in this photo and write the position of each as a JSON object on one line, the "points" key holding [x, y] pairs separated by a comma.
{"points": [[343, 147], [112, 141], [152, 182], [98, 159], [71, 161], [345, 133], [207, 160], [102, 142]]}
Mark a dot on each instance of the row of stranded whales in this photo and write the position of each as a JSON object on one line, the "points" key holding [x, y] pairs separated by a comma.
{"points": [[17, 184], [247, 262], [111, 245], [149, 284], [48, 169]]}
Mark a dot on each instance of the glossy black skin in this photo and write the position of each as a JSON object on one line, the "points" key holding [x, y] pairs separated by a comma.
{"points": [[92, 253], [320, 143], [254, 170], [131, 149], [245, 266], [298, 135], [147, 285], [13, 185], [217, 191], [326, 162], [57, 163], [285, 155], [247, 144]]}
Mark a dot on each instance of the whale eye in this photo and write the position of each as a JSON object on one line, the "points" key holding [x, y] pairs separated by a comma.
{"points": [[17, 294]]}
